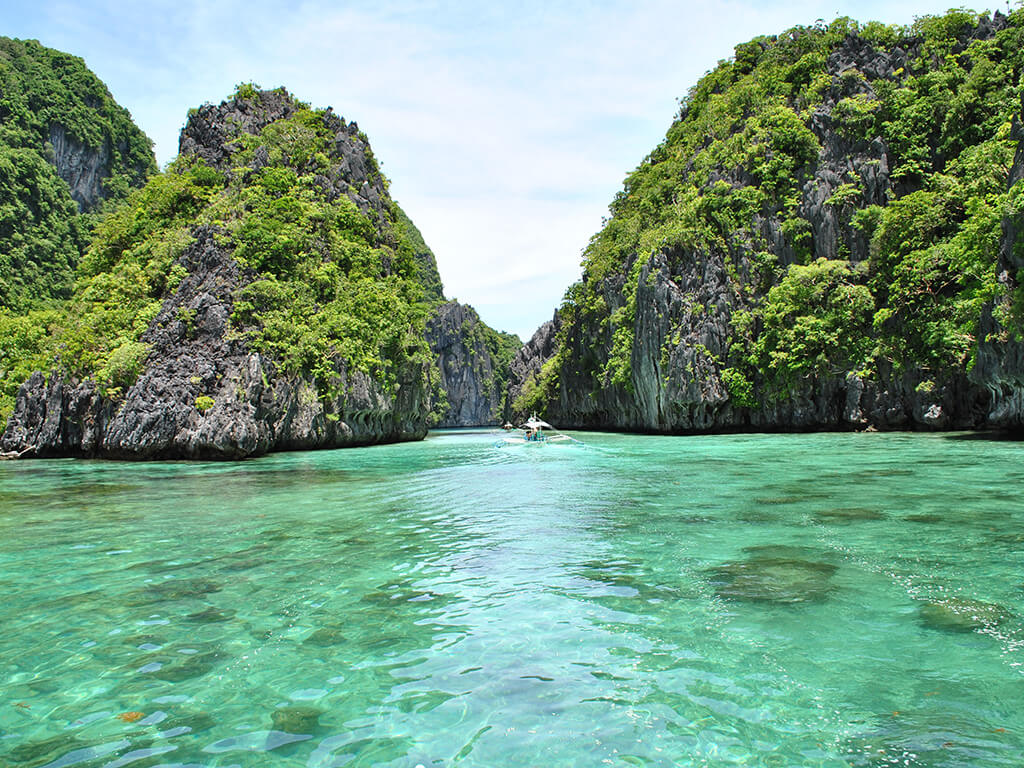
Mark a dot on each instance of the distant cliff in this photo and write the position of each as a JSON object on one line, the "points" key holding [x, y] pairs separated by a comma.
{"points": [[65, 148], [473, 361], [820, 242], [263, 294]]}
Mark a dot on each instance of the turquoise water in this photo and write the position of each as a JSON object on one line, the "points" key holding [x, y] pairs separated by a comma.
{"points": [[754, 600]]}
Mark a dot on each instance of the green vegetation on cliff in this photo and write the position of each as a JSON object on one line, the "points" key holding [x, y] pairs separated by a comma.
{"points": [[47, 96], [121, 280], [41, 232], [428, 275], [849, 179]]}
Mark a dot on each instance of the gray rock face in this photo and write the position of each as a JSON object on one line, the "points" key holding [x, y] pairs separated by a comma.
{"points": [[211, 129], [83, 168], [678, 385], [469, 372], [527, 362], [255, 410]]}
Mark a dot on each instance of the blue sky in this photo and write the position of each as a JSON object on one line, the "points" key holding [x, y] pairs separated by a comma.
{"points": [[505, 128]]}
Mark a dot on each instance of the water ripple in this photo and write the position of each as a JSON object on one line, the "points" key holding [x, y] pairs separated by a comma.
{"points": [[817, 600]]}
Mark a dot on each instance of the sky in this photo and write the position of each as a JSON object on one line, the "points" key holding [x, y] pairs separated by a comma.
{"points": [[505, 128]]}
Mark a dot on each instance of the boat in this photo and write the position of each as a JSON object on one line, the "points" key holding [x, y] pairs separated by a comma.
{"points": [[534, 431]]}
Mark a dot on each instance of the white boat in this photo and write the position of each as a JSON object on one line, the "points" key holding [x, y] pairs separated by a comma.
{"points": [[533, 431]]}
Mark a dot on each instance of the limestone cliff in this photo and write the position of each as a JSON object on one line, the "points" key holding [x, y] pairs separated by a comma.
{"points": [[1000, 363], [229, 362], [254, 409], [473, 362], [86, 169], [809, 248]]}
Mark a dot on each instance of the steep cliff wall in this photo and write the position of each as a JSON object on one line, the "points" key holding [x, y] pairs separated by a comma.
{"points": [[252, 408], [809, 248], [1000, 363], [473, 361], [258, 297]]}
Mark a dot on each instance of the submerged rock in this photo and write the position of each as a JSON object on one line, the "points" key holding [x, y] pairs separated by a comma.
{"points": [[211, 615], [781, 500], [925, 518], [324, 637], [779, 550], [195, 721], [188, 668], [956, 614], [768, 577], [1010, 538], [37, 752], [296, 719], [243, 565], [143, 639], [758, 515], [173, 589], [851, 515]]}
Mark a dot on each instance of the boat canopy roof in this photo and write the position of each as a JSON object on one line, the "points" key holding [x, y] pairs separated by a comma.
{"points": [[534, 423]]}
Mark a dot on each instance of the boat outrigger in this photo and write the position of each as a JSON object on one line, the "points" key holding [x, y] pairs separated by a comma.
{"points": [[533, 431]]}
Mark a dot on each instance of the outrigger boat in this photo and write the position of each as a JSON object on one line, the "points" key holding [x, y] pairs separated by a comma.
{"points": [[533, 431]]}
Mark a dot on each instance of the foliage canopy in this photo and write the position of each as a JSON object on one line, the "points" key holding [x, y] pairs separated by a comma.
{"points": [[42, 233]]}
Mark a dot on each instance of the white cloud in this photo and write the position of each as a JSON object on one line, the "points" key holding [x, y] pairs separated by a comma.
{"points": [[506, 128]]}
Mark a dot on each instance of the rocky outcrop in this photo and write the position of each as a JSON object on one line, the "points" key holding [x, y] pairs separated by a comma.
{"points": [[54, 105], [204, 394], [81, 167], [212, 130], [526, 364], [472, 376], [680, 387], [203, 391], [66, 147], [682, 323]]}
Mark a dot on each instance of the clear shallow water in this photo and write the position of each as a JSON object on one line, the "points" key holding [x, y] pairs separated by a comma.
{"points": [[822, 600]]}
